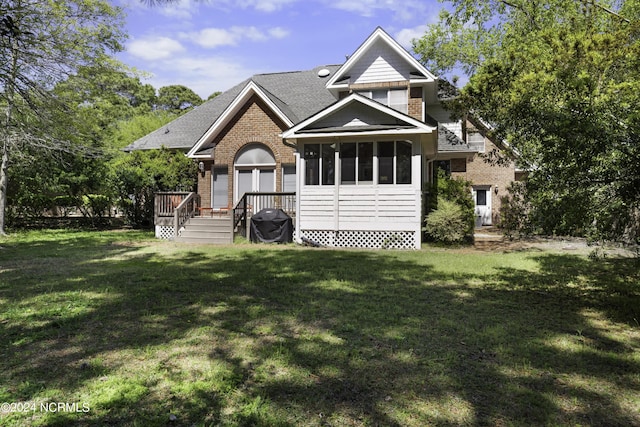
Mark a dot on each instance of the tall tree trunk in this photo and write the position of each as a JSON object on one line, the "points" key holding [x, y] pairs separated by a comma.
{"points": [[3, 184], [9, 85]]}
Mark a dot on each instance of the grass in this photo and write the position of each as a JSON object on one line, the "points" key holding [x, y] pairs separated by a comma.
{"points": [[126, 330]]}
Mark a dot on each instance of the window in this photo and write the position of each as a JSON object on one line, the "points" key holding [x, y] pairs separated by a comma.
{"points": [[444, 165], [319, 160], [288, 178], [220, 190], [459, 165], [365, 162], [481, 197], [475, 140], [328, 164], [356, 161], [394, 98], [403, 162], [398, 100], [394, 162], [348, 163], [312, 164], [385, 162]]}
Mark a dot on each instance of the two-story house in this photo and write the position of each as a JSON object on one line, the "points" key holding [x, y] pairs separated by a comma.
{"points": [[358, 143]]}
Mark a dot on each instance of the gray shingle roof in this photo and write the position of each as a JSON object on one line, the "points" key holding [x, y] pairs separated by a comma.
{"points": [[298, 94], [450, 142]]}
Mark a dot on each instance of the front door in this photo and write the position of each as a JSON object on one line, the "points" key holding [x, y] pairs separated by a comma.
{"points": [[482, 199]]}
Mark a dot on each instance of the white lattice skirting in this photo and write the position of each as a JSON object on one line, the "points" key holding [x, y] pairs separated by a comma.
{"points": [[362, 239], [164, 232]]}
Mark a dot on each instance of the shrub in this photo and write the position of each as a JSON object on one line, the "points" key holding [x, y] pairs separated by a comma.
{"points": [[95, 205], [453, 219], [449, 223]]}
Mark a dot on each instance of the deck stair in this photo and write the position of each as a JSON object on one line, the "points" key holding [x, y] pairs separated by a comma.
{"points": [[207, 230]]}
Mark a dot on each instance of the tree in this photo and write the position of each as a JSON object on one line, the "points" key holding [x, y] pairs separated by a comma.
{"points": [[127, 131], [213, 95], [139, 175], [42, 43], [559, 81], [177, 99]]}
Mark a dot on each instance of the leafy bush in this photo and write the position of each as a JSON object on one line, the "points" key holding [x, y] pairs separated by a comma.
{"points": [[453, 219], [95, 205], [449, 223]]}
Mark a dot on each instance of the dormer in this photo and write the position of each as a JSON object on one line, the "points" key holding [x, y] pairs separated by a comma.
{"points": [[381, 69]]}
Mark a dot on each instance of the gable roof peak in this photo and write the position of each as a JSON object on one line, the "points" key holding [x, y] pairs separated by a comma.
{"points": [[379, 119], [413, 69]]}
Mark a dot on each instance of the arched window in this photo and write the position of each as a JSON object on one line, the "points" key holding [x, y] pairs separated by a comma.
{"points": [[255, 154], [255, 170]]}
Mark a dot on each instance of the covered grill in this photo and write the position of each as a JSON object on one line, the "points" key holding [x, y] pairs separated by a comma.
{"points": [[271, 226]]}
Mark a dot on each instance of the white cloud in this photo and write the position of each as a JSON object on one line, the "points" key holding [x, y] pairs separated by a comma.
{"points": [[181, 9], [215, 37], [402, 9], [406, 35], [278, 33], [212, 37], [204, 75], [266, 5], [154, 48]]}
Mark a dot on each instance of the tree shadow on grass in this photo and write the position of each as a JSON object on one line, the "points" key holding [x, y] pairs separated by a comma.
{"points": [[286, 336]]}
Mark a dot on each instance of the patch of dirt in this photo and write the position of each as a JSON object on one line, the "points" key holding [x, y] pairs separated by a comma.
{"points": [[491, 239]]}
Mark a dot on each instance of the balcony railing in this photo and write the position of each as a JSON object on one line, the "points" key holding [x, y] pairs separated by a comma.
{"points": [[175, 208], [251, 203], [167, 201]]}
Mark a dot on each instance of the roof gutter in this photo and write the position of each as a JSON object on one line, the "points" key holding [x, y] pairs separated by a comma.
{"points": [[289, 144]]}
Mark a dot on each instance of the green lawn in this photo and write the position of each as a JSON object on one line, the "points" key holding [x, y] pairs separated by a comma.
{"points": [[124, 330]]}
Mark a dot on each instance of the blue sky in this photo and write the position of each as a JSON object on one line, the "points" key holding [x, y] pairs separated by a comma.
{"points": [[211, 45]]}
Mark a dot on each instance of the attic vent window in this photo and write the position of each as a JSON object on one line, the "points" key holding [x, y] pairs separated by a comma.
{"points": [[323, 73]]}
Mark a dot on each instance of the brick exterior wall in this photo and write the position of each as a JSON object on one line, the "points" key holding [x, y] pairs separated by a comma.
{"points": [[415, 103], [254, 123], [479, 172]]}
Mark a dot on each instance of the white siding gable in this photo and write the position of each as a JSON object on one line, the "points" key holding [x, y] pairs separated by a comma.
{"points": [[380, 63]]}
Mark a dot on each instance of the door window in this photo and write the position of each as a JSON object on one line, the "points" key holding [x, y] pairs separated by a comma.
{"points": [[481, 197]]}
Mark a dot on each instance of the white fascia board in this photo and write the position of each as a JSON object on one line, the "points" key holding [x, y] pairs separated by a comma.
{"points": [[360, 133], [378, 33], [250, 89], [200, 156], [421, 127]]}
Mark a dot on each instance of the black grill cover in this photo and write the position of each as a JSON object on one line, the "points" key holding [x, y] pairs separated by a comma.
{"points": [[271, 226]]}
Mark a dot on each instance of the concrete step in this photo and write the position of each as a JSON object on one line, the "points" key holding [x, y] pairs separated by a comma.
{"points": [[209, 220], [216, 230], [204, 228]]}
